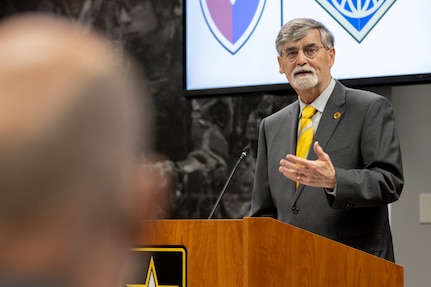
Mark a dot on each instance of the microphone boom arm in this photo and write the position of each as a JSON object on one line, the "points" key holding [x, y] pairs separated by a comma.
{"points": [[243, 155]]}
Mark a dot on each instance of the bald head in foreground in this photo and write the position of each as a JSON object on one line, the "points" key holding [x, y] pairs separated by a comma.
{"points": [[70, 131]]}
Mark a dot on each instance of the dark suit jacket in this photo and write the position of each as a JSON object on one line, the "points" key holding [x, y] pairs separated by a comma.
{"points": [[364, 148]]}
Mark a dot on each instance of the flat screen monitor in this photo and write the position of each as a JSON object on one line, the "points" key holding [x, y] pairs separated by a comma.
{"points": [[229, 45]]}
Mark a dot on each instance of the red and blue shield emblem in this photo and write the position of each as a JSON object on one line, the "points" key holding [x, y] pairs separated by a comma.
{"points": [[232, 22]]}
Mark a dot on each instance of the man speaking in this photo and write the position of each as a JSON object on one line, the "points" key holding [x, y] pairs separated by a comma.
{"points": [[330, 162]]}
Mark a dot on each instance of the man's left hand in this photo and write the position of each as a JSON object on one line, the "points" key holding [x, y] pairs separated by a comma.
{"points": [[317, 173]]}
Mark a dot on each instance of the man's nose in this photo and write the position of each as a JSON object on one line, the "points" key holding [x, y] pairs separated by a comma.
{"points": [[302, 59]]}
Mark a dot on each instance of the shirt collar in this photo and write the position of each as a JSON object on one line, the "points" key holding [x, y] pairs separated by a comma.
{"points": [[320, 102]]}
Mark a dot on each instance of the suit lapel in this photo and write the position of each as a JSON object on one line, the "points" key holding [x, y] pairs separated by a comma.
{"points": [[292, 128], [331, 116], [286, 143], [293, 134]]}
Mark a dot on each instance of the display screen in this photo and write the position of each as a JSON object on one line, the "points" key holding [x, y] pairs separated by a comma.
{"points": [[230, 44]]}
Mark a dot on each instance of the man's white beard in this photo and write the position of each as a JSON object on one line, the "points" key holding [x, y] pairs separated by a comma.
{"points": [[304, 82]]}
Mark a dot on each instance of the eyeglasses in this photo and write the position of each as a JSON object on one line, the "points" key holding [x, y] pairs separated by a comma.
{"points": [[309, 51]]}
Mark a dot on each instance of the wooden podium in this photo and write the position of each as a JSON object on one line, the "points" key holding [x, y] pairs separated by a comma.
{"points": [[258, 252]]}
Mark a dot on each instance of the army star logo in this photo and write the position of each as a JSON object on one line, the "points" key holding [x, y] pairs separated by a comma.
{"points": [[357, 17], [152, 280]]}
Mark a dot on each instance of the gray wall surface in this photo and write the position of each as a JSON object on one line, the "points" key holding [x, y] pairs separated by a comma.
{"points": [[412, 240]]}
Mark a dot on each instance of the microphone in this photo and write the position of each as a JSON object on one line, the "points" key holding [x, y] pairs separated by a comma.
{"points": [[243, 155]]}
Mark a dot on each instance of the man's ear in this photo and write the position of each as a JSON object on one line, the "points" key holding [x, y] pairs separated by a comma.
{"points": [[280, 64], [332, 55]]}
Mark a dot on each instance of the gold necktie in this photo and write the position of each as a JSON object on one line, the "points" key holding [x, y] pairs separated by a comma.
{"points": [[305, 136]]}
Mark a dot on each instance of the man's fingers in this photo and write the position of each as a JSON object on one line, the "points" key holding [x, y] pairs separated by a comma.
{"points": [[297, 160], [289, 173], [321, 154], [318, 172], [288, 164], [293, 168]]}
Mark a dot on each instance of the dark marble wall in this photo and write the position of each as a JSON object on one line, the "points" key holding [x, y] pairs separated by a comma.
{"points": [[198, 141]]}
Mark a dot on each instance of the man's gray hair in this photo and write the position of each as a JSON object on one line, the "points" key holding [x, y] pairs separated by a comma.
{"points": [[296, 29]]}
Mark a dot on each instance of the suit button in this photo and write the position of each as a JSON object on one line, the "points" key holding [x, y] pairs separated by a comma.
{"points": [[295, 210], [348, 205]]}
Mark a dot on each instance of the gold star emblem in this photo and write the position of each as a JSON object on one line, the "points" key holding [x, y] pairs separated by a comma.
{"points": [[151, 280]]}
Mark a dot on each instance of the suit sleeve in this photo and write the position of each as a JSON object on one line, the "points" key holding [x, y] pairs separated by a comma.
{"points": [[262, 203], [380, 181]]}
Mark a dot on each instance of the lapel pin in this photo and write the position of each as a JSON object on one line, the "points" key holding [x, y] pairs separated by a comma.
{"points": [[337, 115]]}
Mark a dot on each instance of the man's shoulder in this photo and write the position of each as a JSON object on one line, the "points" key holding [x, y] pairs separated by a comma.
{"points": [[283, 113], [358, 96]]}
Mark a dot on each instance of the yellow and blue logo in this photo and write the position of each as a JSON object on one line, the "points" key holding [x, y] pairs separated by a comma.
{"points": [[357, 17]]}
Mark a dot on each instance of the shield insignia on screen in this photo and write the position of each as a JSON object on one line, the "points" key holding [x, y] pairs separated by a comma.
{"points": [[357, 17], [232, 22]]}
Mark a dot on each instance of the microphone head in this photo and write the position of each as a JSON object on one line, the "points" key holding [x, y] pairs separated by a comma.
{"points": [[245, 151]]}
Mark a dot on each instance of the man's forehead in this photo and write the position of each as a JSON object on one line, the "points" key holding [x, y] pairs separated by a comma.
{"points": [[311, 38]]}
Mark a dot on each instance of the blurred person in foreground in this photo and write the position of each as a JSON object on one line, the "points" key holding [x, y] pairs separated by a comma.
{"points": [[71, 132], [343, 164]]}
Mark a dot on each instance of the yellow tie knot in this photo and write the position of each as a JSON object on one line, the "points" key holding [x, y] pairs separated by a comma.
{"points": [[308, 112]]}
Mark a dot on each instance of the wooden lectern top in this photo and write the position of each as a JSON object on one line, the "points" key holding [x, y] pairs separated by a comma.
{"points": [[258, 252]]}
